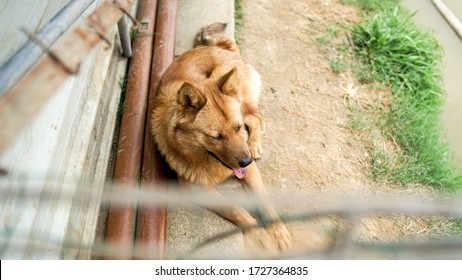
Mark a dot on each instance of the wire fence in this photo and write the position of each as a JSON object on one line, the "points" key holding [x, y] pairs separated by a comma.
{"points": [[17, 236]]}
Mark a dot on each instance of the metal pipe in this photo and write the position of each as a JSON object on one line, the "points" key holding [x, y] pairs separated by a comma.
{"points": [[121, 220], [124, 35], [452, 20], [151, 230], [29, 53]]}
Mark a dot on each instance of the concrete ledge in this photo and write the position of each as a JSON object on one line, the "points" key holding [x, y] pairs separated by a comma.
{"points": [[195, 14]]}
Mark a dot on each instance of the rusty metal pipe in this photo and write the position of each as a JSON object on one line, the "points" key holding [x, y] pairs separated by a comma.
{"points": [[121, 219], [151, 230]]}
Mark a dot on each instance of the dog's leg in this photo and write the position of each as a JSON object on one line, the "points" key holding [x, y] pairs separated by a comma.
{"points": [[253, 125], [256, 238], [277, 230]]}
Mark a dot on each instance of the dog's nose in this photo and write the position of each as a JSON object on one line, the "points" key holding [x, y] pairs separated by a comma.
{"points": [[246, 161]]}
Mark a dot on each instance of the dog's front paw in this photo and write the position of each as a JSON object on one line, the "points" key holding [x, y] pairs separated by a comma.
{"points": [[256, 149], [257, 241], [280, 235]]}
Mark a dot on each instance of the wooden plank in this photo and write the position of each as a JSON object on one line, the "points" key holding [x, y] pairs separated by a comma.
{"points": [[62, 152], [105, 99], [26, 98], [29, 53], [17, 14]]}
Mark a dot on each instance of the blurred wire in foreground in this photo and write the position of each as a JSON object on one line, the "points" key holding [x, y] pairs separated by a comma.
{"points": [[295, 208]]}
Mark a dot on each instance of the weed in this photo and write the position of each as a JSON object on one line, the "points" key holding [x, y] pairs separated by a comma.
{"points": [[358, 121], [323, 40], [238, 20], [337, 65], [123, 90], [132, 35], [334, 30], [374, 5], [458, 229]]}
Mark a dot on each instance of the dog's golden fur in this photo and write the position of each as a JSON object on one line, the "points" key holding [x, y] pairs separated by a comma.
{"points": [[206, 125]]}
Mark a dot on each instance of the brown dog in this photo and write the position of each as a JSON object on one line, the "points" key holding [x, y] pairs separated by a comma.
{"points": [[205, 123]]}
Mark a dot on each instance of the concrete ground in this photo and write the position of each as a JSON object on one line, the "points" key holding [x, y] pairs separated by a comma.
{"points": [[195, 14], [187, 227]]}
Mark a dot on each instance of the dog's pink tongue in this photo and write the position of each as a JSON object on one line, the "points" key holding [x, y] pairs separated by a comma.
{"points": [[240, 172]]}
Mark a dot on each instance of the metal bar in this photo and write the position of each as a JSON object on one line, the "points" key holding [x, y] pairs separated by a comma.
{"points": [[121, 220], [151, 230], [30, 53], [124, 35], [453, 21]]}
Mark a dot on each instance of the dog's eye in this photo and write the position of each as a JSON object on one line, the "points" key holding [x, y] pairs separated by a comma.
{"points": [[218, 137], [238, 128]]}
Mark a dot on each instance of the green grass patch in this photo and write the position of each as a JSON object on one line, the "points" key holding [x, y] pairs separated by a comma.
{"points": [[398, 54], [238, 20]]}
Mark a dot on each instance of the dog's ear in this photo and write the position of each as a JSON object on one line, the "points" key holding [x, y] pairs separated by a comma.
{"points": [[190, 97], [227, 82]]}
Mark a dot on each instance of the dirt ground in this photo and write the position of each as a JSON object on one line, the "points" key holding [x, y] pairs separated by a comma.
{"points": [[309, 148]]}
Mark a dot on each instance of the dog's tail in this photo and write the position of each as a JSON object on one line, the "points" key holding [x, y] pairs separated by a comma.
{"points": [[214, 35], [210, 35]]}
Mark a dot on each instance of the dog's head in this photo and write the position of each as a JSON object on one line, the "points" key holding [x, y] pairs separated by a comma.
{"points": [[210, 118]]}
